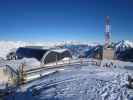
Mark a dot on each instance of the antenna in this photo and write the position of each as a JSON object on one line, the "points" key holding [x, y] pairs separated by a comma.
{"points": [[107, 31]]}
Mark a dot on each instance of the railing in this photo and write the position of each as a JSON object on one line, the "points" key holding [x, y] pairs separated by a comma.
{"points": [[63, 64], [23, 73]]}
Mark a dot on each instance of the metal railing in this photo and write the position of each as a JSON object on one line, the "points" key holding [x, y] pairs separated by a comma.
{"points": [[23, 73], [64, 63]]}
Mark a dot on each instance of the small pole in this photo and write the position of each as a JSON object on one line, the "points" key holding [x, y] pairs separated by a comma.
{"points": [[130, 81], [22, 73], [56, 59], [81, 62], [69, 60]]}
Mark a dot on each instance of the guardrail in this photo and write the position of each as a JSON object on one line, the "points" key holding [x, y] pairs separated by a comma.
{"points": [[59, 65], [23, 72]]}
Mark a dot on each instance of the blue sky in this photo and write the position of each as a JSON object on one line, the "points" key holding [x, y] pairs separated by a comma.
{"points": [[59, 20]]}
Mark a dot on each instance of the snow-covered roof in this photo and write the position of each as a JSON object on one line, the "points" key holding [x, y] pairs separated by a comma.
{"points": [[59, 50], [29, 63]]}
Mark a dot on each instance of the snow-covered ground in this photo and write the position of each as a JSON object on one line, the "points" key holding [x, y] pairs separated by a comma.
{"points": [[75, 82], [80, 82]]}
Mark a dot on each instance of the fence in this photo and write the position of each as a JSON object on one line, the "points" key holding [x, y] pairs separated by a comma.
{"points": [[23, 72]]}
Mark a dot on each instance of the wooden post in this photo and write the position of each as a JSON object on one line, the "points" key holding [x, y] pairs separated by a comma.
{"points": [[69, 60], [81, 61], [22, 73], [130, 80]]}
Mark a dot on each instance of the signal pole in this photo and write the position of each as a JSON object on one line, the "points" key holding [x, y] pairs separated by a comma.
{"points": [[107, 31], [108, 51]]}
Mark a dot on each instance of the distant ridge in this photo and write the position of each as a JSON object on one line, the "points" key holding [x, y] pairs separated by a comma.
{"points": [[123, 45]]}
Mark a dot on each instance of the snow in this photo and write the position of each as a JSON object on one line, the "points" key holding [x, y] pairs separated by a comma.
{"points": [[80, 82], [41, 74], [72, 82], [29, 63], [124, 44], [59, 50], [7, 46]]}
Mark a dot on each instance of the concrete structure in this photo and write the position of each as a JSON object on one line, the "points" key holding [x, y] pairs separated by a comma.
{"points": [[108, 53]]}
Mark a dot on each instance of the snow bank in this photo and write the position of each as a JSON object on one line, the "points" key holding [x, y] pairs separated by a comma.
{"points": [[82, 83], [30, 62], [5, 47]]}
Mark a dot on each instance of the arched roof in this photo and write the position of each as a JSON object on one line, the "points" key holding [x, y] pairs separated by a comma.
{"points": [[55, 55]]}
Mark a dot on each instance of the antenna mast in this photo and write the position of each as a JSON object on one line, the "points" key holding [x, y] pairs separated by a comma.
{"points": [[107, 31]]}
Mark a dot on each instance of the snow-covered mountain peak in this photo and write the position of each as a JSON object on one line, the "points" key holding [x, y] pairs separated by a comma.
{"points": [[124, 44]]}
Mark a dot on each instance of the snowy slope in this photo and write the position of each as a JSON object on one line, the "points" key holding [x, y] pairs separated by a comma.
{"points": [[79, 49], [5, 46], [123, 45], [80, 82], [124, 50], [93, 52]]}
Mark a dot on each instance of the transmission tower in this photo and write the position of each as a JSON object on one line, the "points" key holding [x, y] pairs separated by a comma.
{"points": [[107, 31]]}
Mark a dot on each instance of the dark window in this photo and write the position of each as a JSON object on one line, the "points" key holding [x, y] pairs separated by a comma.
{"points": [[30, 53]]}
